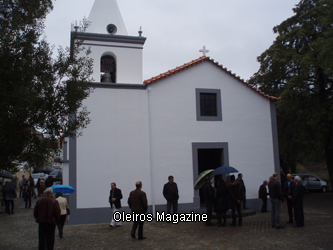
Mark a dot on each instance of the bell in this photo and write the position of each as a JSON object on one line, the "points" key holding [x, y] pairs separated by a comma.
{"points": [[106, 77]]}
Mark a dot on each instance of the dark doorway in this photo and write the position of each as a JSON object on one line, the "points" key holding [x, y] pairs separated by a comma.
{"points": [[209, 158]]}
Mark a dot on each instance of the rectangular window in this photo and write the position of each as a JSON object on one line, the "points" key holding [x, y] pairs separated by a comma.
{"points": [[208, 104]]}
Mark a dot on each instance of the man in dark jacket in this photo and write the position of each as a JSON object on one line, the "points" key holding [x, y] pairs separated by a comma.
{"points": [[47, 213], [288, 187], [49, 181], [236, 194], [276, 197], [297, 200], [170, 193], [114, 200], [263, 196], [27, 194], [209, 198], [221, 205], [241, 181], [138, 203]]}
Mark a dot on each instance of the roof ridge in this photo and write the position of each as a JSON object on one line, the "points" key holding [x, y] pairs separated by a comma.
{"points": [[201, 59]]}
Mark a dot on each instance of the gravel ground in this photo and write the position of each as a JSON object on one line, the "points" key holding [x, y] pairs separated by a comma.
{"points": [[19, 231]]}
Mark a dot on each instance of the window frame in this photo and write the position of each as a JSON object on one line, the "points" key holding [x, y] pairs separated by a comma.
{"points": [[218, 116]]}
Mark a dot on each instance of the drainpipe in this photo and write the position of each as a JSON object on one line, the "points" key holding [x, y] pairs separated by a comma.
{"points": [[151, 152]]}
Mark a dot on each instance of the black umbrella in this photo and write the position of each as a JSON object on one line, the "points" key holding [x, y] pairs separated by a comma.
{"points": [[6, 175], [225, 170]]}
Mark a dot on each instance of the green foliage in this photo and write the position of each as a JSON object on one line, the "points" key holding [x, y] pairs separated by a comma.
{"points": [[37, 92], [298, 67]]}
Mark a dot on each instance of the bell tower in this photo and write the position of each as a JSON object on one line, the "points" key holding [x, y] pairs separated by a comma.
{"points": [[117, 56]]}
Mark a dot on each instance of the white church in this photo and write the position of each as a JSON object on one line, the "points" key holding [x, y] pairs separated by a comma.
{"points": [[191, 118]]}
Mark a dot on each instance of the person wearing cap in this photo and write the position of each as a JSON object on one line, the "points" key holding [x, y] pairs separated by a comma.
{"points": [[170, 193], [297, 200]]}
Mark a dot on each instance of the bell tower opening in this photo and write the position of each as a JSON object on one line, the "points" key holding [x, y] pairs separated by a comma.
{"points": [[108, 67]]}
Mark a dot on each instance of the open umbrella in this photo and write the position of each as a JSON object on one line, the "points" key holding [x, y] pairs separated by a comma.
{"points": [[224, 170], [201, 178], [64, 189], [6, 175]]}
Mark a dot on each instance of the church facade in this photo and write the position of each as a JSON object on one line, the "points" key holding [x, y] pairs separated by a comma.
{"points": [[194, 117]]}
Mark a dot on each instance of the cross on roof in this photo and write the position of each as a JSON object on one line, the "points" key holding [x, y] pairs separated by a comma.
{"points": [[204, 50]]}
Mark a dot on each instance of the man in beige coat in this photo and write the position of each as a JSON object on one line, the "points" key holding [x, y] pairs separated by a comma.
{"points": [[63, 209]]}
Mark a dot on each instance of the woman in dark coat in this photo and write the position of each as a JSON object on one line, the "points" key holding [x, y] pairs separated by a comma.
{"points": [[221, 204]]}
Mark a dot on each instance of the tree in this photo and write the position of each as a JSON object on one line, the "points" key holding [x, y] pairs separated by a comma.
{"points": [[298, 67], [37, 92]]}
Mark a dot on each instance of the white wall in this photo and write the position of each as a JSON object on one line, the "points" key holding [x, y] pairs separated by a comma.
{"points": [[245, 125], [114, 147], [128, 60]]}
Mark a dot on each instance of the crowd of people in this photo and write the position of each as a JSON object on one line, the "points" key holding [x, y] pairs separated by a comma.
{"points": [[229, 195], [293, 192], [49, 212], [224, 196], [138, 203], [26, 191]]}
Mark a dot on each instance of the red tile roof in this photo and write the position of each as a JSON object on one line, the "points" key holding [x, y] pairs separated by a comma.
{"points": [[199, 60]]}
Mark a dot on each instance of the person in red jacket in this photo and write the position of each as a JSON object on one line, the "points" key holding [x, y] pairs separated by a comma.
{"points": [[47, 213]]}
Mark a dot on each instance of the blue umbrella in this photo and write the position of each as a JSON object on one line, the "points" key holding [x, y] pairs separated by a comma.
{"points": [[64, 189], [224, 170]]}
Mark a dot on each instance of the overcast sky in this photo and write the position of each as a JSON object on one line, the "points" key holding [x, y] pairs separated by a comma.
{"points": [[234, 31]]}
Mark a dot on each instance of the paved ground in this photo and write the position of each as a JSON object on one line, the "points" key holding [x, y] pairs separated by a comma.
{"points": [[19, 231]]}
